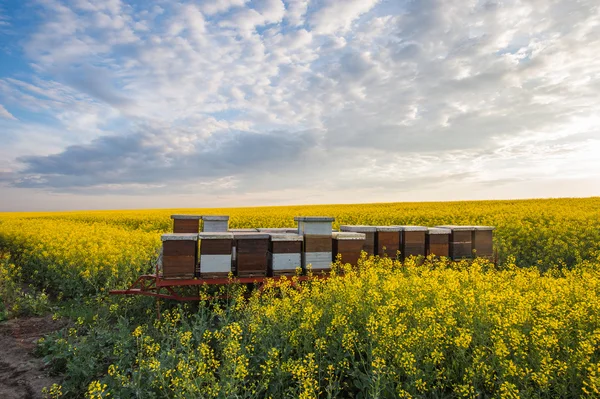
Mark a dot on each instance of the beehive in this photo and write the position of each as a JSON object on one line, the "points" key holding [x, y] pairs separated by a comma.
{"points": [[438, 241], [461, 241], [242, 230], [317, 245], [215, 254], [482, 239], [186, 223], [368, 231], [215, 224], [387, 241], [251, 254], [285, 253], [349, 245], [179, 255], [412, 241]]}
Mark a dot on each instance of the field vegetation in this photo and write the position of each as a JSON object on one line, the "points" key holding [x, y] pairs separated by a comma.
{"points": [[526, 327]]}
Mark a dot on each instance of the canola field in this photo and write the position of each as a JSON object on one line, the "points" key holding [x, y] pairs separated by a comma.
{"points": [[526, 327]]}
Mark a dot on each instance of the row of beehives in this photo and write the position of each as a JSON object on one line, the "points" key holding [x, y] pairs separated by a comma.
{"points": [[214, 250]]}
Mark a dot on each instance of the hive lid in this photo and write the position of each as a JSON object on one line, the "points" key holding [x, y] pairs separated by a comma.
{"points": [[250, 236], [215, 218], [215, 236], [358, 228], [286, 237], [389, 228], [314, 219], [242, 230], [278, 229], [466, 228], [179, 237], [186, 217], [438, 230], [345, 235], [413, 228]]}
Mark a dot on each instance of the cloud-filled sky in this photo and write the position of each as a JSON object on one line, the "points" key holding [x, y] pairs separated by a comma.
{"points": [[131, 104]]}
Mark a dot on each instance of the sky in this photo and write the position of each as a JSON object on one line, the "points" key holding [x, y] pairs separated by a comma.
{"points": [[110, 104]]}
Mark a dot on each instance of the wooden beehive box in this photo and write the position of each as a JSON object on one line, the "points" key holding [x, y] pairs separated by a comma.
{"points": [[243, 230], [461, 241], [186, 223], [412, 241], [285, 253], [438, 241], [317, 246], [215, 254], [215, 224], [368, 231], [179, 255], [251, 254], [482, 240], [349, 245], [387, 241]]}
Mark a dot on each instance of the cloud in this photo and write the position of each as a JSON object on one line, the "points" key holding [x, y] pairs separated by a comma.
{"points": [[303, 95], [5, 114]]}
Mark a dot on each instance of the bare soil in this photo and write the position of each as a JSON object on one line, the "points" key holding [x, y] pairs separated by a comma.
{"points": [[22, 375]]}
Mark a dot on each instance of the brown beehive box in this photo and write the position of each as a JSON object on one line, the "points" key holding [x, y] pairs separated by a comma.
{"points": [[368, 231], [482, 240], [387, 241], [179, 255], [412, 241], [438, 241], [186, 223], [349, 245], [285, 253], [215, 254], [461, 241], [251, 254]]}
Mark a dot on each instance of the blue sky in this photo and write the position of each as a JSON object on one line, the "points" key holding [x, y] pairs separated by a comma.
{"points": [[121, 104]]}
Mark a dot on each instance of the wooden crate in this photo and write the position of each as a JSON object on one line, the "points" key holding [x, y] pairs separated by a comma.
{"points": [[482, 239], [285, 254], [317, 245], [251, 254], [179, 255], [216, 251], [186, 223], [387, 241], [369, 232], [412, 241], [215, 223], [438, 241], [349, 245], [461, 241]]}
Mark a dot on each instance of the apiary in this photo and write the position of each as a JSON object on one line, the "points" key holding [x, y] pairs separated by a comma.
{"points": [[216, 251], [387, 241], [285, 253], [215, 224], [250, 254], [412, 241], [349, 245], [438, 241], [179, 255], [368, 231], [186, 223], [317, 244]]}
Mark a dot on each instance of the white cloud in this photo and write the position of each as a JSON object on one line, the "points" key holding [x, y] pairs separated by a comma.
{"points": [[449, 93], [5, 114]]}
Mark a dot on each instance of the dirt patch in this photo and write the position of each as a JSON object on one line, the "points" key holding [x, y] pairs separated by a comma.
{"points": [[22, 376]]}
